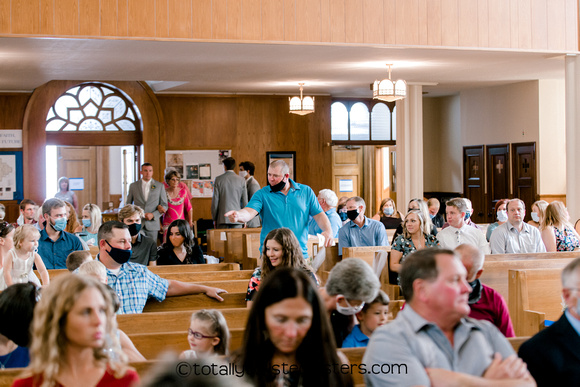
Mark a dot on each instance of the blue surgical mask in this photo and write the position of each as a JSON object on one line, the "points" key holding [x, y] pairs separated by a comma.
{"points": [[467, 214], [388, 211], [535, 217], [431, 216], [502, 216], [348, 310], [87, 223], [343, 215], [59, 224]]}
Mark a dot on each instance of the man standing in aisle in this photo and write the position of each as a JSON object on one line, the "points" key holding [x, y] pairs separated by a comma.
{"points": [[229, 193]]}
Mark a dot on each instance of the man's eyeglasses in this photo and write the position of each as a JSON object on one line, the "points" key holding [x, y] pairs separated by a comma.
{"points": [[198, 335]]}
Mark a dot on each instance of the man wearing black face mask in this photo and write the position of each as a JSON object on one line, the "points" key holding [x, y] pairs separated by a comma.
{"points": [[284, 203], [132, 282], [360, 231], [144, 249]]}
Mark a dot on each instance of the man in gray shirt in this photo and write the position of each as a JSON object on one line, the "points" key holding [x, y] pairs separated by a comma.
{"points": [[515, 236], [432, 341]]}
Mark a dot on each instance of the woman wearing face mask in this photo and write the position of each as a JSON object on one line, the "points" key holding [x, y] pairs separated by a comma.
{"points": [[281, 249], [350, 284], [537, 214], [289, 342], [556, 229], [341, 209], [179, 247], [91, 219], [501, 213], [388, 214]]}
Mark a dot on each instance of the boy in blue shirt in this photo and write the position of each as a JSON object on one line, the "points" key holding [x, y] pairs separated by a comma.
{"points": [[372, 316]]}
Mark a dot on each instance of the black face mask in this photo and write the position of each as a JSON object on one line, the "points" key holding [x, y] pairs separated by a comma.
{"points": [[134, 229], [277, 187], [475, 294], [119, 255], [352, 214]]}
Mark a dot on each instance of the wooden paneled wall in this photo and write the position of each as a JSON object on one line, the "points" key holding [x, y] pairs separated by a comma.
{"points": [[515, 24], [251, 126]]}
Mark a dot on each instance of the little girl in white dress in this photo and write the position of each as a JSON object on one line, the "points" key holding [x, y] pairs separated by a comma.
{"points": [[18, 265]]}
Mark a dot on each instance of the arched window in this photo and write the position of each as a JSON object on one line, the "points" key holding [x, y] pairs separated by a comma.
{"points": [[94, 108], [363, 122]]}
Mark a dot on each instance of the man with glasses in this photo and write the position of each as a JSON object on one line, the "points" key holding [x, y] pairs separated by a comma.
{"points": [[458, 231], [55, 244], [553, 355]]}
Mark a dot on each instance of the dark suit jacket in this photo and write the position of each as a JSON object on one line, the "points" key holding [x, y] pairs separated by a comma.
{"points": [[157, 196], [553, 355], [229, 194]]}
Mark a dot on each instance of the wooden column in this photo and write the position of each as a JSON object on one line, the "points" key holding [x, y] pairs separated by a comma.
{"points": [[572, 137]]}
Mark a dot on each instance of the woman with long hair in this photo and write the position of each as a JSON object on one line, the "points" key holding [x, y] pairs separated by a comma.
{"points": [[501, 214], [281, 249], [417, 204], [179, 247], [178, 204], [290, 329], [388, 214], [557, 232], [92, 219], [71, 321], [72, 224], [65, 193], [537, 214], [414, 237], [6, 240]]}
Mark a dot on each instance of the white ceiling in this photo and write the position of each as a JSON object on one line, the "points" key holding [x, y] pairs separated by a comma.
{"points": [[241, 68]]}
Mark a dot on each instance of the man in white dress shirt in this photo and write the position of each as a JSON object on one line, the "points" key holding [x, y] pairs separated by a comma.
{"points": [[516, 236], [458, 231]]}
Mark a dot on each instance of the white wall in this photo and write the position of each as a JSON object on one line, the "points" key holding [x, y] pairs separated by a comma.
{"points": [[115, 170]]}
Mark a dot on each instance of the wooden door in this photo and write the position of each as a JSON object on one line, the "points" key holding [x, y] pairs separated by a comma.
{"points": [[473, 173], [347, 171], [80, 161], [524, 176], [498, 172]]}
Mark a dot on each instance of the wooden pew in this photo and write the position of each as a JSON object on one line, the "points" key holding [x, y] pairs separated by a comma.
{"points": [[528, 256], [176, 321], [329, 262], [534, 296], [251, 251], [233, 245], [216, 239], [230, 286], [195, 302], [209, 275]]}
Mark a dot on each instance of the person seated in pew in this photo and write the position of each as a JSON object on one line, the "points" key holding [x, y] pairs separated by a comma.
{"points": [[433, 205], [557, 231], [467, 217], [92, 220], [414, 238], [485, 303], [502, 217], [288, 340], [373, 315], [179, 248], [143, 248], [432, 340], [553, 354], [17, 304], [388, 214], [281, 249], [537, 214], [77, 258], [328, 201], [208, 335], [132, 282], [360, 231], [71, 322], [458, 231], [351, 283], [515, 236], [417, 204]]}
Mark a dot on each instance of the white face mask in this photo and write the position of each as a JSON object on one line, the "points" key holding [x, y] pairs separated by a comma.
{"points": [[243, 173], [535, 217], [348, 310], [502, 215]]}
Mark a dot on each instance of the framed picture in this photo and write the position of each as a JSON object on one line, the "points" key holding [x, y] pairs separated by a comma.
{"points": [[288, 157], [11, 176]]}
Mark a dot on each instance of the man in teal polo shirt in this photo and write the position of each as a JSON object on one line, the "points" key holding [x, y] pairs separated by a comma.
{"points": [[284, 203]]}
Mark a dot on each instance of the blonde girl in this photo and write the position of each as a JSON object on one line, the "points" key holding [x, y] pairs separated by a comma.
{"points": [[556, 229], [18, 265], [208, 334], [537, 214]]}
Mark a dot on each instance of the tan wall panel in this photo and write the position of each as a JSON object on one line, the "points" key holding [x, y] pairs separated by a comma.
{"points": [[25, 15], [407, 23], [557, 29], [4, 17], [353, 22], [571, 25], [109, 17], [514, 23], [123, 22], [234, 20], [338, 24], [162, 18], [422, 18], [325, 21], [89, 18], [308, 21], [46, 16], [483, 23], [524, 24], [66, 17], [179, 17], [12, 108], [449, 22], [373, 21], [468, 23], [202, 20], [290, 20], [390, 14], [252, 19], [219, 14], [499, 23], [539, 24], [141, 15]]}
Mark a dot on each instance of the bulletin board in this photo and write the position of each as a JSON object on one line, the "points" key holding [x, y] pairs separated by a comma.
{"points": [[11, 186], [198, 168]]}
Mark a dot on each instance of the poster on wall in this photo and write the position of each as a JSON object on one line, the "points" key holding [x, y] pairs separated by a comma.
{"points": [[10, 175], [198, 168]]}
